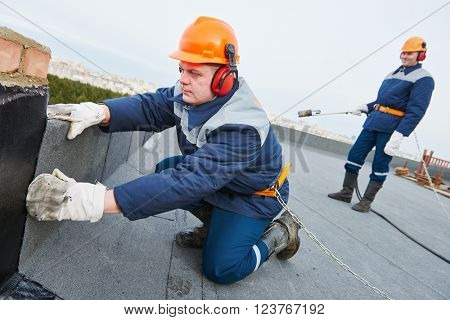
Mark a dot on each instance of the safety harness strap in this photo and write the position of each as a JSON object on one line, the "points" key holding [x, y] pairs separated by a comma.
{"points": [[384, 109], [271, 192]]}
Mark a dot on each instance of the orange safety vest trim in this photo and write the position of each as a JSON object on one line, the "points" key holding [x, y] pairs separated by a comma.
{"points": [[270, 192]]}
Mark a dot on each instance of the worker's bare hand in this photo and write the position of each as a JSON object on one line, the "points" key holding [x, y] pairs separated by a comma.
{"points": [[80, 116], [58, 197]]}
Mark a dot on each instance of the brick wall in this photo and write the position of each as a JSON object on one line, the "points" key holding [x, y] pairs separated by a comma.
{"points": [[23, 61]]}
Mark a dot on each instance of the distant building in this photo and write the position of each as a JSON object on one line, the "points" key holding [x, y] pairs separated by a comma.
{"points": [[78, 72]]}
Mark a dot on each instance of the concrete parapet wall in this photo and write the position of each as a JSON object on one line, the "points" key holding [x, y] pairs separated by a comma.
{"points": [[95, 156], [301, 138], [82, 158], [117, 154]]}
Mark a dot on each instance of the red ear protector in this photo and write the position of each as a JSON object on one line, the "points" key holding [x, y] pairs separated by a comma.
{"points": [[422, 54], [225, 77]]}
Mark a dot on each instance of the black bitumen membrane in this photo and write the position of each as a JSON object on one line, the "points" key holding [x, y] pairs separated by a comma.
{"points": [[22, 125]]}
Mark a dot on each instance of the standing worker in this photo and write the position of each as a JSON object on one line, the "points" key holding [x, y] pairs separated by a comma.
{"points": [[229, 174], [401, 103]]}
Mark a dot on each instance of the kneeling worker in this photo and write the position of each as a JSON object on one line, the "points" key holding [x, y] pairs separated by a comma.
{"points": [[229, 173]]}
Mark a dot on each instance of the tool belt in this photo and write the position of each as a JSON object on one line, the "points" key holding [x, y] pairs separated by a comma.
{"points": [[384, 109], [271, 192]]}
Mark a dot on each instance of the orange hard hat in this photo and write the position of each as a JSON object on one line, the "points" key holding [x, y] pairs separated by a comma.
{"points": [[204, 41], [414, 44]]}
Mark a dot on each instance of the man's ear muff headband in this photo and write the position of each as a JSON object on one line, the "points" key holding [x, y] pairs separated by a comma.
{"points": [[225, 77]]}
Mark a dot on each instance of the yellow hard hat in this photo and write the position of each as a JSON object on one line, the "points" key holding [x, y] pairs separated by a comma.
{"points": [[205, 41], [414, 44]]}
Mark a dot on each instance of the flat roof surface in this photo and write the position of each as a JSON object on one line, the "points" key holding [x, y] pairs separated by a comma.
{"points": [[119, 259]]}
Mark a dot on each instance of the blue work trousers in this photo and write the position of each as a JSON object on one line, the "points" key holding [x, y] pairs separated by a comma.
{"points": [[232, 248], [366, 141]]}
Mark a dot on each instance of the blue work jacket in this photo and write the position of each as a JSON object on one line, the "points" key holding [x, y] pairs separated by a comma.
{"points": [[229, 151], [405, 89]]}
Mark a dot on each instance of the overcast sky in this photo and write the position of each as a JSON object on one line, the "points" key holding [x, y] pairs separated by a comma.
{"points": [[288, 49]]}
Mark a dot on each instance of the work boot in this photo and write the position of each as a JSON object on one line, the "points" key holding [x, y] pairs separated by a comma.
{"points": [[369, 196], [195, 237], [348, 186], [281, 237]]}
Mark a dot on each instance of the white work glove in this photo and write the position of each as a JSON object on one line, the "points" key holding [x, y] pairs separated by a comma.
{"points": [[80, 116], [58, 197], [393, 146], [359, 109]]}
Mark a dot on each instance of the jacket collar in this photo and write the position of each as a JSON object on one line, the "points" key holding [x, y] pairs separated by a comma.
{"points": [[203, 112], [408, 69]]}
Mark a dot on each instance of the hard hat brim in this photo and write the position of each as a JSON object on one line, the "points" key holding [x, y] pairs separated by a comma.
{"points": [[412, 50], [195, 58]]}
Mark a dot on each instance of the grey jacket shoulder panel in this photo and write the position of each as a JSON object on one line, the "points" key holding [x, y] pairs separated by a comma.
{"points": [[410, 77], [243, 108]]}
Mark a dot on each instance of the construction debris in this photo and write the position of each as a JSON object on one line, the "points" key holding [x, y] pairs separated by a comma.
{"points": [[420, 176]]}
